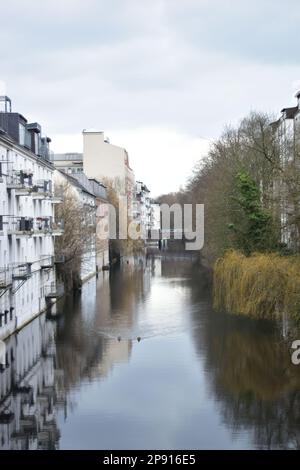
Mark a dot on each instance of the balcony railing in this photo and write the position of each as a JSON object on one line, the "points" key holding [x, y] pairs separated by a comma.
{"points": [[59, 259], [57, 196], [42, 188], [5, 278], [19, 182], [57, 226], [21, 271], [23, 181], [54, 290], [19, 225], [43, 224], [31, 226], [47, 262]]}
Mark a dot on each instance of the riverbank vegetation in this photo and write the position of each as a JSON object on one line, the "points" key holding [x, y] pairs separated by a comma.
{"points": [[249, 184], [261, 285]]}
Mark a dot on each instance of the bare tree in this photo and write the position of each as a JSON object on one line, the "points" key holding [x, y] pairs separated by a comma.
{"points": [[78, 237], [121, 247]]}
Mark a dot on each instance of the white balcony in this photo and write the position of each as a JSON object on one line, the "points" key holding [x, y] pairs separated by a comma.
{"points": [[5, 278], [22, 186], [54, 290]]}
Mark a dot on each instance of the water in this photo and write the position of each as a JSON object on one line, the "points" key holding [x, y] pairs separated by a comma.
{"points": [[196, 379]]}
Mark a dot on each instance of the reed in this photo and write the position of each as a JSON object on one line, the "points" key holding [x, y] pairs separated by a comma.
{"points": [[260, 285]]}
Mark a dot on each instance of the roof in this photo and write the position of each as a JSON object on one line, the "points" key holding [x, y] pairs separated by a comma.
{"points": [[76, 183], [8, 140], [275, 124], [290, 112], [68, 156], [91, 186]]}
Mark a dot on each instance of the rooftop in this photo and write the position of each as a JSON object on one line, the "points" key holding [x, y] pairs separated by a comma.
{"points": [[67, 157], [290, 112]]}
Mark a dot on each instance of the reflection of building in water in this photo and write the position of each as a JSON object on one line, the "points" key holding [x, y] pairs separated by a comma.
{"points": [[87, 341], [115, 352], [180, 265], [28, 389]]}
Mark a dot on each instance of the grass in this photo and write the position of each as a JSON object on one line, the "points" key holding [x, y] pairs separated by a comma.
{"points": [[261, 285]]}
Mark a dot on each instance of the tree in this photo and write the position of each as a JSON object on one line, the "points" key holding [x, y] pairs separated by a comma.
{"points": [[78, 235], [120, 247], [253, 228]]}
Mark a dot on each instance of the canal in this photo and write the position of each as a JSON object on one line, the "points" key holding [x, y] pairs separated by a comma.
{"points": [[139, 359]]}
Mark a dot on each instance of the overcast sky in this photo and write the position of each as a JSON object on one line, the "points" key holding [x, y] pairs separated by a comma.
{"points": [[160, 77]]}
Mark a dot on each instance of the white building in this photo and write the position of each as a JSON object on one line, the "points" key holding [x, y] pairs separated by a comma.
{"points": [[28, 389], [142, 206], [91, 195], [71, 163], [155, 216], [27, 225], [287, 129]]}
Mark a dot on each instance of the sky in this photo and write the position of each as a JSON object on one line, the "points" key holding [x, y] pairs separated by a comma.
{"points": [[161, 78]]}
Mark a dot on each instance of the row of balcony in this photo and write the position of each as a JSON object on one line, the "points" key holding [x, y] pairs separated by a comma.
{"points": [[31, 226], [23, 271], [23, 184]]}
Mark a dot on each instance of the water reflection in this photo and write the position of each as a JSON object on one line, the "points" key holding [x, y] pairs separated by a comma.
{"points": [[252, 378], [30, 389], [195, 379]]}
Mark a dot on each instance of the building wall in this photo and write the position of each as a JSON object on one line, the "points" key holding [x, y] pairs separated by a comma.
{"points": [[71, 163], [288, 132], [88, 201], [142, 206], [102, 227], [103, 160], [155, 216], [28, 389], [29, 249]]}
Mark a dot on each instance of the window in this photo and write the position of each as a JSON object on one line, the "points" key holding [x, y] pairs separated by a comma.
{"points": [[21, 134], [36, 143]]}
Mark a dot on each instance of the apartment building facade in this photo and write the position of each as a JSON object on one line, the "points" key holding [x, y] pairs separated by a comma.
{"points": [[287, 131], [155, 217], [71, 163], [30, 391], [91, 197], [105, 161], [142, 207], [27, 224]]}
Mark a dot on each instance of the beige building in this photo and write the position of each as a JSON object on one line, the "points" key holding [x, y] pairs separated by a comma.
{"points": [[102, 160]]}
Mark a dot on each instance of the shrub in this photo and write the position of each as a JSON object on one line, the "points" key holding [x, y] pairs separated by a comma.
{"points": [[261, 285]]}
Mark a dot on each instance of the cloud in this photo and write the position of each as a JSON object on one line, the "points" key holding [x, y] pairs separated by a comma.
{"points": [[161, 65]]}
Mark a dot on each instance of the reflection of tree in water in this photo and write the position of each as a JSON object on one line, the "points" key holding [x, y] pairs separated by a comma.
{"points": [[251, 375]]}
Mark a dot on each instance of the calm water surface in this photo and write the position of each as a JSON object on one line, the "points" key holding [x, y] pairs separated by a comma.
{"points": [[196, 378]]}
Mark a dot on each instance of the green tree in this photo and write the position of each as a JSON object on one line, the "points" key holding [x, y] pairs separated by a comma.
{"points": [[253, 229]]}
